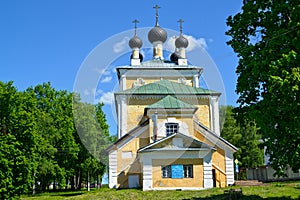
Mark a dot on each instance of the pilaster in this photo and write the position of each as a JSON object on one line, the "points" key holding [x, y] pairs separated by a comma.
{"points": [[214, 108], [207, 171]]}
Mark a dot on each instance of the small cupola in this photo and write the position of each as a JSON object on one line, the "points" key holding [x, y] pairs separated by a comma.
{"points": [[135, 44], [181, 43], [157, 36]]}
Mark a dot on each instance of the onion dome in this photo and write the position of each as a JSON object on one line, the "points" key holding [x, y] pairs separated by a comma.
{"points": [[135, 42], [181, 42], [174, 57], [157, 34]]}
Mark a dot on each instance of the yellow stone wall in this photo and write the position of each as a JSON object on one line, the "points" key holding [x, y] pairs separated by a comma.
{"points": [[136, 107], [135, 111], [203, 113], [218, 160], [130, 166], [159, 182]]}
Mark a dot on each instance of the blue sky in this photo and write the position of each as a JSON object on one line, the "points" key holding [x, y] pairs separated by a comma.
{"points": [[49, 40]]}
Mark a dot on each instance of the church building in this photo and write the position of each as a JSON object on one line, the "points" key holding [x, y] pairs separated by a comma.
{"points": [[168, 126]]}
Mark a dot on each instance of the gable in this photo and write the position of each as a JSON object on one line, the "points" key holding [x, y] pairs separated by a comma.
{"points": [[177, 141]]}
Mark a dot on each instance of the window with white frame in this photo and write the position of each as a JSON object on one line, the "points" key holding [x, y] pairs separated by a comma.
{"points": [[188, 171], [166, 171], [171, 128], [177, 171]]}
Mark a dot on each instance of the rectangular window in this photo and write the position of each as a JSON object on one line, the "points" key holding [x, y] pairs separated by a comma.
{"points": [[188, 171], [166, 171], [177, 171], [171, 128]]}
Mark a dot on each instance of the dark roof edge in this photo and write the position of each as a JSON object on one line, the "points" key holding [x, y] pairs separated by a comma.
{"points": [[130, 133], [216, 136]]}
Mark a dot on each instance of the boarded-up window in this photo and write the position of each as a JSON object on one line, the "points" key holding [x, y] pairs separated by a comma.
{"points": [[126, 154], [177, 171]]}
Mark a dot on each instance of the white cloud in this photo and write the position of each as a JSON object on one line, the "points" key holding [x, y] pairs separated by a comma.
{"points": [[103, 71], [107, 98], [88, 92], [99, 92], [193, 43], [106, 79], [120, 46], [170, 44]]}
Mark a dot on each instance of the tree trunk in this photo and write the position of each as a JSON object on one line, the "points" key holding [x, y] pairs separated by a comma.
{"points": [[79, 179], [98, 183], [67, 184], [72, 180], [54, 185], [34, 185], [88, 181]]}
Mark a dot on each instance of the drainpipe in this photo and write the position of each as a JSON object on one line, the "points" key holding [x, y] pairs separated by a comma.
{"points": [[154, 119]]}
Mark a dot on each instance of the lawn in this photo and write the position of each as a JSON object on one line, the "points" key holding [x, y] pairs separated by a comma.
{"points": [[274, 191]]}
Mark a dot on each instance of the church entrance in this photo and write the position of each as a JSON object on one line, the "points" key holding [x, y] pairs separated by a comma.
{"points": [[214, 178]]}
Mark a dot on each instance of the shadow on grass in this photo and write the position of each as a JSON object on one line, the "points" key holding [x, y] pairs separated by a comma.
{"points": [[244, 197], [68, 194]]}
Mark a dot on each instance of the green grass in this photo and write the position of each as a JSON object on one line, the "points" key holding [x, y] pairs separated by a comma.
{"points": [[273, 191]]}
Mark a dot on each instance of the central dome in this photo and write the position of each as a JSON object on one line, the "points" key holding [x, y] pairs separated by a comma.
{"points": [[157, 34]]}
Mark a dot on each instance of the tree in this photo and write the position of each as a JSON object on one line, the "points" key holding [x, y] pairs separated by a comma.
{"points": [[58, 150], [94, 137], [266, 37], [17, 142], [40, 145], [244, 136]]}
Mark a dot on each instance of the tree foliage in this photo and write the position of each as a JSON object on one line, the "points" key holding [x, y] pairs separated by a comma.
{"points": [[266, 37], [244, 136], [39, 142]]}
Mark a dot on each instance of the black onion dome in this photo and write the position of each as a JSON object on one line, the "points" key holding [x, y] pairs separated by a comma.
{"points": [[181, 42], [135, 42], [174, 57], [157, 34]]}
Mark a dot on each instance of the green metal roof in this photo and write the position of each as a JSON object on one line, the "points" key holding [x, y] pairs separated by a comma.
{"points": [[170, 102], [167, 87]]}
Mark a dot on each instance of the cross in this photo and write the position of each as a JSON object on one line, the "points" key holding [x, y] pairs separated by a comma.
{"points": [[180, 21], [135, 21], [156, 8]]}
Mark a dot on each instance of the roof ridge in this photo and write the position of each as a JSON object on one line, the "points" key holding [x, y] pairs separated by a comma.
{"points": [[171, 102]]}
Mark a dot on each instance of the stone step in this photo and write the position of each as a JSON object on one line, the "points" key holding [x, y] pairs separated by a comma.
{"points": [[248, 183]]}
